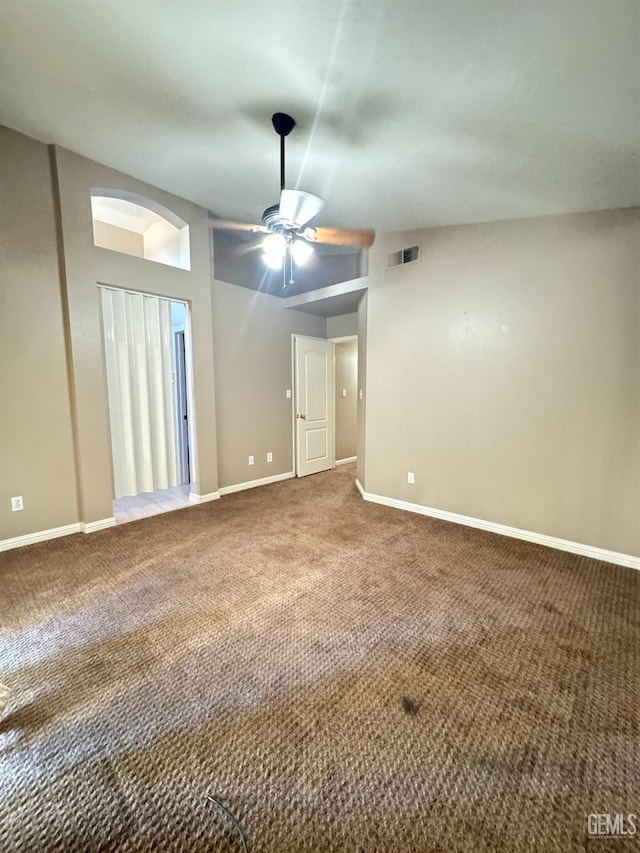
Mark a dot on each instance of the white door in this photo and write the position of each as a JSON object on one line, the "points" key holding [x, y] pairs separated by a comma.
{"points": [[313, 405]]}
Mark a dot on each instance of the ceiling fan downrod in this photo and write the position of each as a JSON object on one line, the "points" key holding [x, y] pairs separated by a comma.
{"points": [[283, 124]]}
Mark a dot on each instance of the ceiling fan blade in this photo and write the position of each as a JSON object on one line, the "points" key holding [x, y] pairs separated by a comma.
{"points": [[298, 207], [230, 225], [340, 237]]}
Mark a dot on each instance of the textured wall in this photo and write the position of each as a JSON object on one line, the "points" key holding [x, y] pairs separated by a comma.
{"points": [[252, 345], [88, 266], [122, 240], [36, 445], [346, 408], [342, 325], [504, 370]]}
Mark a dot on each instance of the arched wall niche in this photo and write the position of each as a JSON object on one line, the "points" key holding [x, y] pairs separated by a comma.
{"points": [[130, 223]]}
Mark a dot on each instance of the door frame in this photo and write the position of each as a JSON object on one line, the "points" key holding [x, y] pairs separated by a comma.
{"points": [[343, 339], [294, 426], [192, 443], [181, 388], [188, 357]]}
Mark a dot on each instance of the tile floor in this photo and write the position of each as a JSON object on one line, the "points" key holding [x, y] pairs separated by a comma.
{"points": [[150, 503]]}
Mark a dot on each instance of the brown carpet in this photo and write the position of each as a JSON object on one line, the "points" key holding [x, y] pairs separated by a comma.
{"points": [[341, 676]]}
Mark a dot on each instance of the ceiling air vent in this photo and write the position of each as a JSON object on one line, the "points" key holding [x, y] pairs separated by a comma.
{"points": [[403, 256]]}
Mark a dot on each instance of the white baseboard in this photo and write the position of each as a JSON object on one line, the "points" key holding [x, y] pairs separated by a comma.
{"points": [[514, 532], [94, 526], [346, 461], [40, 536], [203, 499], [251, 484]]}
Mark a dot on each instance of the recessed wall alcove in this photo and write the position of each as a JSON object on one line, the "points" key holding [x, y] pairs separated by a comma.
{"points": [[135, 225]]}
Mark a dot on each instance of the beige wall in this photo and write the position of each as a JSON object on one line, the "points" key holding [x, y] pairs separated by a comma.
{"points": [[86, 267], [36, 449], [342, 326], [504, 370], [252, 345], [121, 239], [362, 390], [346, 407]]}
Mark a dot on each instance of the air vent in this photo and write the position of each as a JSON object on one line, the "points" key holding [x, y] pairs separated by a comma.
{"points": [[404, 256]]}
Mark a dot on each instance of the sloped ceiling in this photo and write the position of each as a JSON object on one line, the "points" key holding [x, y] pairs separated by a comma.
{"points": [[410, 114]]}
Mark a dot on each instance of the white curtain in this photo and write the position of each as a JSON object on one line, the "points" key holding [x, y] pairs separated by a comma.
{"points": [[138, 349]]}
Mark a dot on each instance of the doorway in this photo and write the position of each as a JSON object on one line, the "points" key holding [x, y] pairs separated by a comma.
{"points": [[147, 358], [181, 408], [325, 403], [345, 363], [313, 405]]}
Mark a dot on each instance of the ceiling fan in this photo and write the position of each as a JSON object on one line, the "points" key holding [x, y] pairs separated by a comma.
{"points": [[288, 240]]}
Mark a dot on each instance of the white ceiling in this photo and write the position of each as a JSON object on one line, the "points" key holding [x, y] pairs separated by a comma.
{"points": [[411, 113]]}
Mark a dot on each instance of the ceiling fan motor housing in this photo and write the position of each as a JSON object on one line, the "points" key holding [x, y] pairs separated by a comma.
{"points": [[272, 220]]}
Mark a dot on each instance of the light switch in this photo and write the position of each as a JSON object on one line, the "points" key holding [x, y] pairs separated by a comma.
{"points": [[288, 393], [344, 392]]}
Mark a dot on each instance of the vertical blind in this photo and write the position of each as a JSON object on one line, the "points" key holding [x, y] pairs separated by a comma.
{"points": [[138, 349]]}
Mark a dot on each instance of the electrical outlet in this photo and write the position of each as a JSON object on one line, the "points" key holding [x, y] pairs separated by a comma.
{"points": [[17, 504], [288, 393], [251, 460], [344, 392], [360, 393], [269, 456], [411, 477]]}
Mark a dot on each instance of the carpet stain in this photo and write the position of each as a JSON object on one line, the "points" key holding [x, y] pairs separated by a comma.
{"points": [[409, 706]]}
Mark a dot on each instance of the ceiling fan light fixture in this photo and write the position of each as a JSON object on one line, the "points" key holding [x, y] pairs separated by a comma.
{"points": [[273, 261], [274, 247], [301, 251]]}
